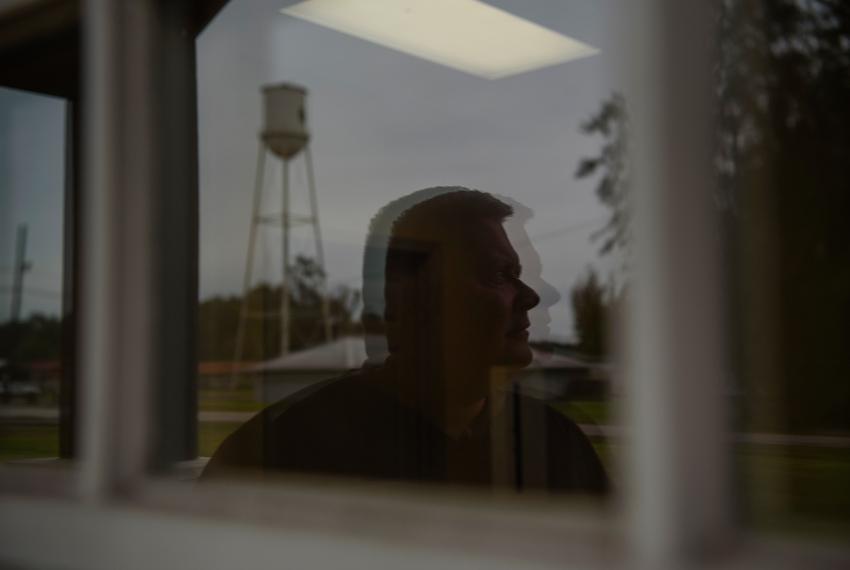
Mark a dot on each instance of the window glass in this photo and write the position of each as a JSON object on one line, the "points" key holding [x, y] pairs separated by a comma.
{"points": [[781, 156], [33, 146], [413, 242]]}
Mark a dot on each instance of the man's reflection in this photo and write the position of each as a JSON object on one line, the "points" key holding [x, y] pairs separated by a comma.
{"points": [[446, 314]]}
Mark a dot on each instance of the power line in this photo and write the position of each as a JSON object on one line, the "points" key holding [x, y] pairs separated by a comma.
{"points": [[565, 230], [38, 291]]}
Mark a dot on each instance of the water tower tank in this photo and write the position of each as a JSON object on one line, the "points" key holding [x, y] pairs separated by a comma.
{"points": [[285, 126]]}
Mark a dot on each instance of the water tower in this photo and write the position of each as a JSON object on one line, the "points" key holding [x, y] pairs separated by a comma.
{"points": [[285, 136]]}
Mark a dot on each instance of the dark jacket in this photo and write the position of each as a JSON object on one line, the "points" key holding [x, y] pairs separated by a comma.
{"points": [[346, 426]]}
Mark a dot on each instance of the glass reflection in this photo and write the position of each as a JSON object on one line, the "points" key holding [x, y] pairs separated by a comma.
{"points": [[446, 317], [33, 134]]}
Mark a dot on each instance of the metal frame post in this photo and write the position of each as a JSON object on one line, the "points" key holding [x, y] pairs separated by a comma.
{"points": [[284, 287], [249, 262], [317, 235]]}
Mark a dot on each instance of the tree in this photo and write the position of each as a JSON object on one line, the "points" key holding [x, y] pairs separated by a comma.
{"points": [[37, 338], [219, 316], [783, 146], [611, 165], [782, 149], [590, 305]]}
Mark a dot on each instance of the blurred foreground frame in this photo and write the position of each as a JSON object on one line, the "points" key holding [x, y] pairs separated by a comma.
{"points": [[46, 47], [675, 519]]}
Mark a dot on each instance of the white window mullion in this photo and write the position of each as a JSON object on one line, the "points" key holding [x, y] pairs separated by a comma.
{"points": [[116, 325], [677, 479]]}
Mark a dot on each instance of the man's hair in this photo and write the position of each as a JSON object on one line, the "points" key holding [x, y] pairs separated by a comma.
{"points": [[398, 238], [418, 230], [436, 214]]}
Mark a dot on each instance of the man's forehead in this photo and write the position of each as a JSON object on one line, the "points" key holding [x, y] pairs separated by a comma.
{"points": [[488, 240]]}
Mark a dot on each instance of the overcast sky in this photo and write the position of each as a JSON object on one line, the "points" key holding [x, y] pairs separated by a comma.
{"points": [[32, 178], [383, 124]]}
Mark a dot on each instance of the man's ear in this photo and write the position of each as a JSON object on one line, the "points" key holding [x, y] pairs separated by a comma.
{"points": [[374, 329], [373, 324], [402, 298]]}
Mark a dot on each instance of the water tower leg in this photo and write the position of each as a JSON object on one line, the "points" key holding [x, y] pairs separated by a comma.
{"points": [[317, 234], [284, 292], [249, 263]]}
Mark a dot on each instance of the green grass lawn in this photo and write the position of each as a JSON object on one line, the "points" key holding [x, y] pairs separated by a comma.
{"points": [[240, 399], [42, 440], [211, 434], [585, 411], [796, 489], [28, 441]]}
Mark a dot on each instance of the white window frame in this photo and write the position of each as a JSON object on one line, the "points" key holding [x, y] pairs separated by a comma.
{"points": [[677, 502]]}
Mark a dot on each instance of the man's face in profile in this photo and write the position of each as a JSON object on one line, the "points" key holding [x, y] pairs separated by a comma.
{"points": [[487, 304]]}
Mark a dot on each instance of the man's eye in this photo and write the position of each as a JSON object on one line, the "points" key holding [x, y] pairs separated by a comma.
{"points": [[500, 277]]}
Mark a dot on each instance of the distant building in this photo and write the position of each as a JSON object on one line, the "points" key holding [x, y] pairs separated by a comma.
{"points": [[550, 376], [220, 373], [285, 375]]}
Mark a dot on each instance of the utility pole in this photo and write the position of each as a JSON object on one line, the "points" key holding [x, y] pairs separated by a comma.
{"points": [[21, 267]]}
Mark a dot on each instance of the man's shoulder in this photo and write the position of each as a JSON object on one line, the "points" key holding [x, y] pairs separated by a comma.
{"points": [[328, 403], [316, 420]]}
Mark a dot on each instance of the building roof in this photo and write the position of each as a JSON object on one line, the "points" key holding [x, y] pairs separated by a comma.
{"points": [[547, 361], [222, 367], [343, 353]]}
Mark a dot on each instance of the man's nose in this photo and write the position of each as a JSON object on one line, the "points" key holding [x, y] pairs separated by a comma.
{"points": [[549, 296], [527, 298]]}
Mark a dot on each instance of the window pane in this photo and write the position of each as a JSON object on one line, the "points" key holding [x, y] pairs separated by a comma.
{"points": [[33, 137], [452, 239], [782, 158]]}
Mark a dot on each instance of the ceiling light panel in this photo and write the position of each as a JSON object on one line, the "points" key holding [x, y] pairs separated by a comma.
{"points": [[463, 34]]}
